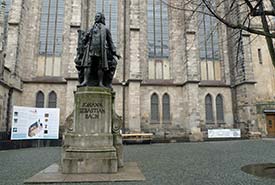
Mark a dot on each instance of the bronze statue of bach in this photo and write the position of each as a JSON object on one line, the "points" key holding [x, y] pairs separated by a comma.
{"points": [[96, 55]]}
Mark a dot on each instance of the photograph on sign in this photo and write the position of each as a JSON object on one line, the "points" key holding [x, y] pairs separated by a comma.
{"points": [[35, 123]]}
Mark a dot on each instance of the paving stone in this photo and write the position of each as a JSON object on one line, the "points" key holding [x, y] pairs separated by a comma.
{"points": [[207, 163]]}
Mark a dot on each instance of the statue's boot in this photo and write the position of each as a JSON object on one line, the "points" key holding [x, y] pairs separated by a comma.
{"points": [[108, 83], [100, 84], [109, 78], [110, 87], [82, 84]]}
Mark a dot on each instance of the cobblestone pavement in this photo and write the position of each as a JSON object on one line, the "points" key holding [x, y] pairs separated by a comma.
{"points": [[208, 163]]}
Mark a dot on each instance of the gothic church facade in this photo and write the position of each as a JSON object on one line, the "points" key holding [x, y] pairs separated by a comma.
{"points": [[178, 73]]}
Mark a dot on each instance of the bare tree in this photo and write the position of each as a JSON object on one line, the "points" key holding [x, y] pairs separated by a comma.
{"points": [[252, 16], [255, 16]]}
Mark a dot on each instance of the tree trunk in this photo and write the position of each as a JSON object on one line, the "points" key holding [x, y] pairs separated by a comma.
{"points": [[268, 39]]}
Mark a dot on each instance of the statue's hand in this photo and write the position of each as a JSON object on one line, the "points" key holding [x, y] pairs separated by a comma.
{"points": [[78, 67]]}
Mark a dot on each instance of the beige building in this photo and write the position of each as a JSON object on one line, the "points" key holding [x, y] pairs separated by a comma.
{"points": [[178, 73]]}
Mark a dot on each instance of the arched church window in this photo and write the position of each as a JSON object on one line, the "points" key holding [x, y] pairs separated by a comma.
{"points": [[219, 108], [157, 29], [209, 109], [154, 108], [166, 108], [110, 9], [39, 99], [51, 27], [52, 100], [208, 34]]}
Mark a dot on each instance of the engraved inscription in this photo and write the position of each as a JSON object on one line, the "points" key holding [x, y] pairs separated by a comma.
{"points": [[92, 110]]}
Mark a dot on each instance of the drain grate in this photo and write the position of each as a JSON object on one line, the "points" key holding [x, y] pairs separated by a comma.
{"points": [[266, 170]]}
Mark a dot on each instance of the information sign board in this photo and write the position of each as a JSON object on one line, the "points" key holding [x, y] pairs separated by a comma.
{"points": [[34, 123], [224, 133]]}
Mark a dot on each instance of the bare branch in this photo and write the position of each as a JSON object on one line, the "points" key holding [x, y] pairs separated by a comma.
{"points": [[237, 26], [185, 9], [249, 5], [259, 13]]}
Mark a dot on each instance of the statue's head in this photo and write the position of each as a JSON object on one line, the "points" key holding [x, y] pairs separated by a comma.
{"points": [[100, 18]]}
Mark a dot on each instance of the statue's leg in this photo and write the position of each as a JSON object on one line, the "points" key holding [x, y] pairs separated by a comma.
{"points": [[100, 75], [87, 72], [108, 77], [81, 75]]}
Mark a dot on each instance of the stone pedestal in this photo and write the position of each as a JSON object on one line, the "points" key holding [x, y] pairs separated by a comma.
{"points": [[89, 146]]}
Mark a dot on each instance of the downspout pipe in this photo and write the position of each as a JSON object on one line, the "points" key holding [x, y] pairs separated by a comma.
{"points": [[124, 65], [8, 112]]}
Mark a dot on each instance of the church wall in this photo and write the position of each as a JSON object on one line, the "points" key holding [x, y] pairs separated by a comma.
{"points": [[179, 75], [177, 120], [264, 71], [72, 22], [225, 92], [264, 74], [69, 96], [10, 82], [33, 64], [29, 96], [28, 43], [177, 43], [4, 94], [9, 96], [118, 99]]}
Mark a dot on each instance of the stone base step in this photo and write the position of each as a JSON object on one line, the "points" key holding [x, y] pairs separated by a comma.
{"points": [[79, 166], [96, 153], [87, 140], [89, 160]]}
